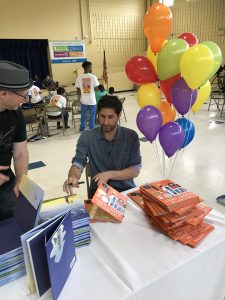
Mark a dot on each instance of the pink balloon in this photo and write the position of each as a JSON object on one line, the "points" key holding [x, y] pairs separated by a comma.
{"points": [[140, 70], [189, 37]]}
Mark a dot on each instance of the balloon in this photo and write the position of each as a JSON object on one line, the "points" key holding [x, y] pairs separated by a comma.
{"points": [[217, 56], [140, 70], [168, 62], [166, 85], [168, 112], [171, 138], [153, 56], [189, 37], [157, 25], [203, 94], [182, 96], [149, 121], [196, 65], [189, 130], [149, 94]]}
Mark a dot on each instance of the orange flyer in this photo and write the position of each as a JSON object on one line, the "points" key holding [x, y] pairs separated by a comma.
{"points": [[136, 197], [110, 200]]}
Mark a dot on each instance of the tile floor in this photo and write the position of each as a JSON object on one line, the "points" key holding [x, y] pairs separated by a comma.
{"points": [[200, 167]]}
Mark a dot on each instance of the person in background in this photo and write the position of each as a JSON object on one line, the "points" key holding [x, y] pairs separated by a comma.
{"points": [[14, 87], [35, 95], [101, 92], [111, 91], [60, 101], [86, 85], [37, 81], [113, 151]]}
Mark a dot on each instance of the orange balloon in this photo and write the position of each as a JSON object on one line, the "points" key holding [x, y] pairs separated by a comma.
{"points": [[168, 112], [157, 25]]}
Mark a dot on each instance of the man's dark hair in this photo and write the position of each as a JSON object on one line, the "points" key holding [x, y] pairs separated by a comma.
{"points": [[101, 87], [86, 64], [110, 102], [60, 90], [111, 90]]}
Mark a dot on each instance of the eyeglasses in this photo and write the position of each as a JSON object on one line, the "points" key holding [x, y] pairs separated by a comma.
{"points": [[26, 97]]}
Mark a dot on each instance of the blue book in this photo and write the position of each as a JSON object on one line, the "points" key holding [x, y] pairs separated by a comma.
{"points": [[52, 253], [25, 216]]}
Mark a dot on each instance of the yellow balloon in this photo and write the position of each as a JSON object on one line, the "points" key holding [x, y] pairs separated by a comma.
{"points": [[196, 65], [153, 56], [149, 94], [203, 94]]}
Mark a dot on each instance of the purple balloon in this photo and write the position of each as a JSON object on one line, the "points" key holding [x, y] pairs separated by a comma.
{"points": [[171, 138], [149, 121], [182, 96]]}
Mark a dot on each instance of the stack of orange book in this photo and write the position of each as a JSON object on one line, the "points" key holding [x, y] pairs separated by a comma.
{"points": [[176, 211]]}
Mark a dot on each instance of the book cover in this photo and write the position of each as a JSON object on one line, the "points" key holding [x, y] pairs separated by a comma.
{"points": [[137, 197], [97, 214], [111, 201], [168, 194], [60, 253], [25, 216], [37, 252]]}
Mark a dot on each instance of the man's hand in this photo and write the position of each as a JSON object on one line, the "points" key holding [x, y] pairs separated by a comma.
{"points": [[3, 178], [69, 184], [102, 177]]}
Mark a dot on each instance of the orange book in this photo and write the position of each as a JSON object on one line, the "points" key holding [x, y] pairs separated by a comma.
{"points": [[201, 211], [194, 242], [111, 201], [136, 197], [97, 214], [169, 195]]}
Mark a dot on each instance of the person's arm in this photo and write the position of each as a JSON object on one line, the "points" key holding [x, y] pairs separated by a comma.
{"points": [[20, 158], [3, 178], [78, 164], [124, 174]]}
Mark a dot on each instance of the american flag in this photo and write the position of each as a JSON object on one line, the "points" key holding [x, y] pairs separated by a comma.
{"points": [[105, 73]]}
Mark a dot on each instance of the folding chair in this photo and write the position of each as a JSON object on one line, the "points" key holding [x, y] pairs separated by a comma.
{"points": [[76, 112], [70, 98], [49, 109], [218, 94], [34, 116], [123, 111]]}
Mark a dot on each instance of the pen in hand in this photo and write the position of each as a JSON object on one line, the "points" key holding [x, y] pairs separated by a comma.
{"points": [[79, 182]]}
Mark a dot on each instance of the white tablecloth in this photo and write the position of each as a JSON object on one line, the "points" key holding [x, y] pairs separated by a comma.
{"points": [[133, 261]]}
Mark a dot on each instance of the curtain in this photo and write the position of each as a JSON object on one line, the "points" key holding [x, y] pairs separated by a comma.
{"points": [[32, 54]]}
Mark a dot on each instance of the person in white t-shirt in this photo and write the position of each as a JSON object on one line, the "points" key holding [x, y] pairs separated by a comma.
{"points": [[87, 84], [35, 95], [60, 101]]}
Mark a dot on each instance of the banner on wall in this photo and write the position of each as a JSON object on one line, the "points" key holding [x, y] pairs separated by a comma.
{"points": [[67, 52]]}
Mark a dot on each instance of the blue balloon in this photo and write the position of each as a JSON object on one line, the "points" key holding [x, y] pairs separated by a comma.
{"points": [[189, 130]]}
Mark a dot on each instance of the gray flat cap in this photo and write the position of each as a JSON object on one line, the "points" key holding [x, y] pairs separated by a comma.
{"points": [[14, 76]]}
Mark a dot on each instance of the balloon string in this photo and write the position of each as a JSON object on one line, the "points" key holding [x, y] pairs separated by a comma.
{"points": [[173, 165], [157, 157], [164, 165], [181, 152]]}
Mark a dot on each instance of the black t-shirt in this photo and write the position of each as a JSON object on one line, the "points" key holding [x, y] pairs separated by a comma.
{"points": [[12, 130]]}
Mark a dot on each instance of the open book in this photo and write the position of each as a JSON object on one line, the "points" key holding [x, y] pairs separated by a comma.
{"points": [[24, 219], [49, 254], [109, 205]]}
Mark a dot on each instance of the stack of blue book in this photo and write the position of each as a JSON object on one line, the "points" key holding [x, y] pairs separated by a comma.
{"points": [[25, 218], [80, 217]]}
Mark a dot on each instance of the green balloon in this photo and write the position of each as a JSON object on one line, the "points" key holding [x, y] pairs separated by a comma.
{"points": [[168, 63], [217, 55]]}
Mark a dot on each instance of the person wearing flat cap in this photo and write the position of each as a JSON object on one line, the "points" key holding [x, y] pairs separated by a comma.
{"points": [[14, 87]]}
